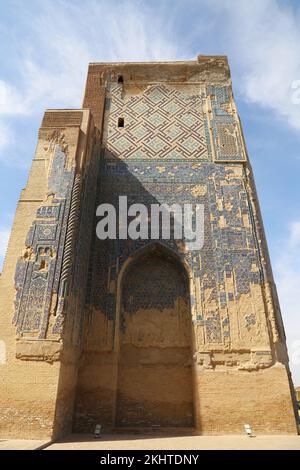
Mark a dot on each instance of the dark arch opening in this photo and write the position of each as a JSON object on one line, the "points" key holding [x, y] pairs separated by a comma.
{"points": [[155, 385]]}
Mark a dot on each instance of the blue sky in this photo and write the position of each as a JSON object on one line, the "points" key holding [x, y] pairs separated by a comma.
{"points": [[45, 48]]}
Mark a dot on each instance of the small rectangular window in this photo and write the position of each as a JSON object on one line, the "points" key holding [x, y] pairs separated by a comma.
{"points": [[120, 122]]}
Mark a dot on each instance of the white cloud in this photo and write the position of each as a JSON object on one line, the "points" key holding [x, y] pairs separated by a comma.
{"points": [[10, 104], [11, 101], [54, 55], [262, 39], [55, 40], [287, 275], [4, 236], [295, 234], [51, 60], [6, 136]]}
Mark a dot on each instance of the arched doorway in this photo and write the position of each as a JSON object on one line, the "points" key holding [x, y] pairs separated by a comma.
{"points": [[155, 385]]}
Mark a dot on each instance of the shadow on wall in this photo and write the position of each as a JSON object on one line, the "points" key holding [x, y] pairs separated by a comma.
{"points": [[136, 367]]}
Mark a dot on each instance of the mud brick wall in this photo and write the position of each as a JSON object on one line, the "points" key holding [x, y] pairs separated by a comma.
{"points": [[181, 143]]}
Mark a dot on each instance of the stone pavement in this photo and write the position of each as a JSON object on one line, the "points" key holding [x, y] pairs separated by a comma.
{"points": [[146, 442], [23, 444]]}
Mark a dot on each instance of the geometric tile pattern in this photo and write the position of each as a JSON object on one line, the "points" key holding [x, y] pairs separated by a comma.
{"points": [[41, 271], [37, 273], [227, 137], [161, 123], [164, 155], [229, 251]]}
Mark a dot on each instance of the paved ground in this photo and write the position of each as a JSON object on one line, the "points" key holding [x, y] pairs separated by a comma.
{"points": [[129, 442], [146, 442], [22, 444]]}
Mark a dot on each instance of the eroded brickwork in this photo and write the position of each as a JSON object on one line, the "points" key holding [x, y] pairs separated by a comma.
{"points": [[141, 332]]}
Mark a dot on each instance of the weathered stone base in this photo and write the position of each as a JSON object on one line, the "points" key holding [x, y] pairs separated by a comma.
{"points": [[37, 399], [28, 400], [224, 400], [229, 399]]}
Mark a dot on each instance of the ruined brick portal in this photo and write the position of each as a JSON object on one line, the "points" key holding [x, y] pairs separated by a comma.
{"points": [[139, 332]]}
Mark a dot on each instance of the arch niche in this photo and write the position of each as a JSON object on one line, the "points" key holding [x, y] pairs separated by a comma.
{"points": [[153, 338]]}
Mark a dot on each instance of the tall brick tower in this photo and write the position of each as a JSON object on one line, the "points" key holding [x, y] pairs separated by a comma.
{"points": [[142, 333]]}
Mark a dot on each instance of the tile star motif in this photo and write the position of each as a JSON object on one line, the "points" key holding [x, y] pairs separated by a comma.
{"points": [[138, 155], [156, 96], [188, 119], [174, 155], [139, 132], [191, 144], [140, 107], [171, 107], [122, 144], [156, 119], [173, 131]]}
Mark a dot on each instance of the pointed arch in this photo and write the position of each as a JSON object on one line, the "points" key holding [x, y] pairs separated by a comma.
{"points": [[152, 247], [153, 340]]}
